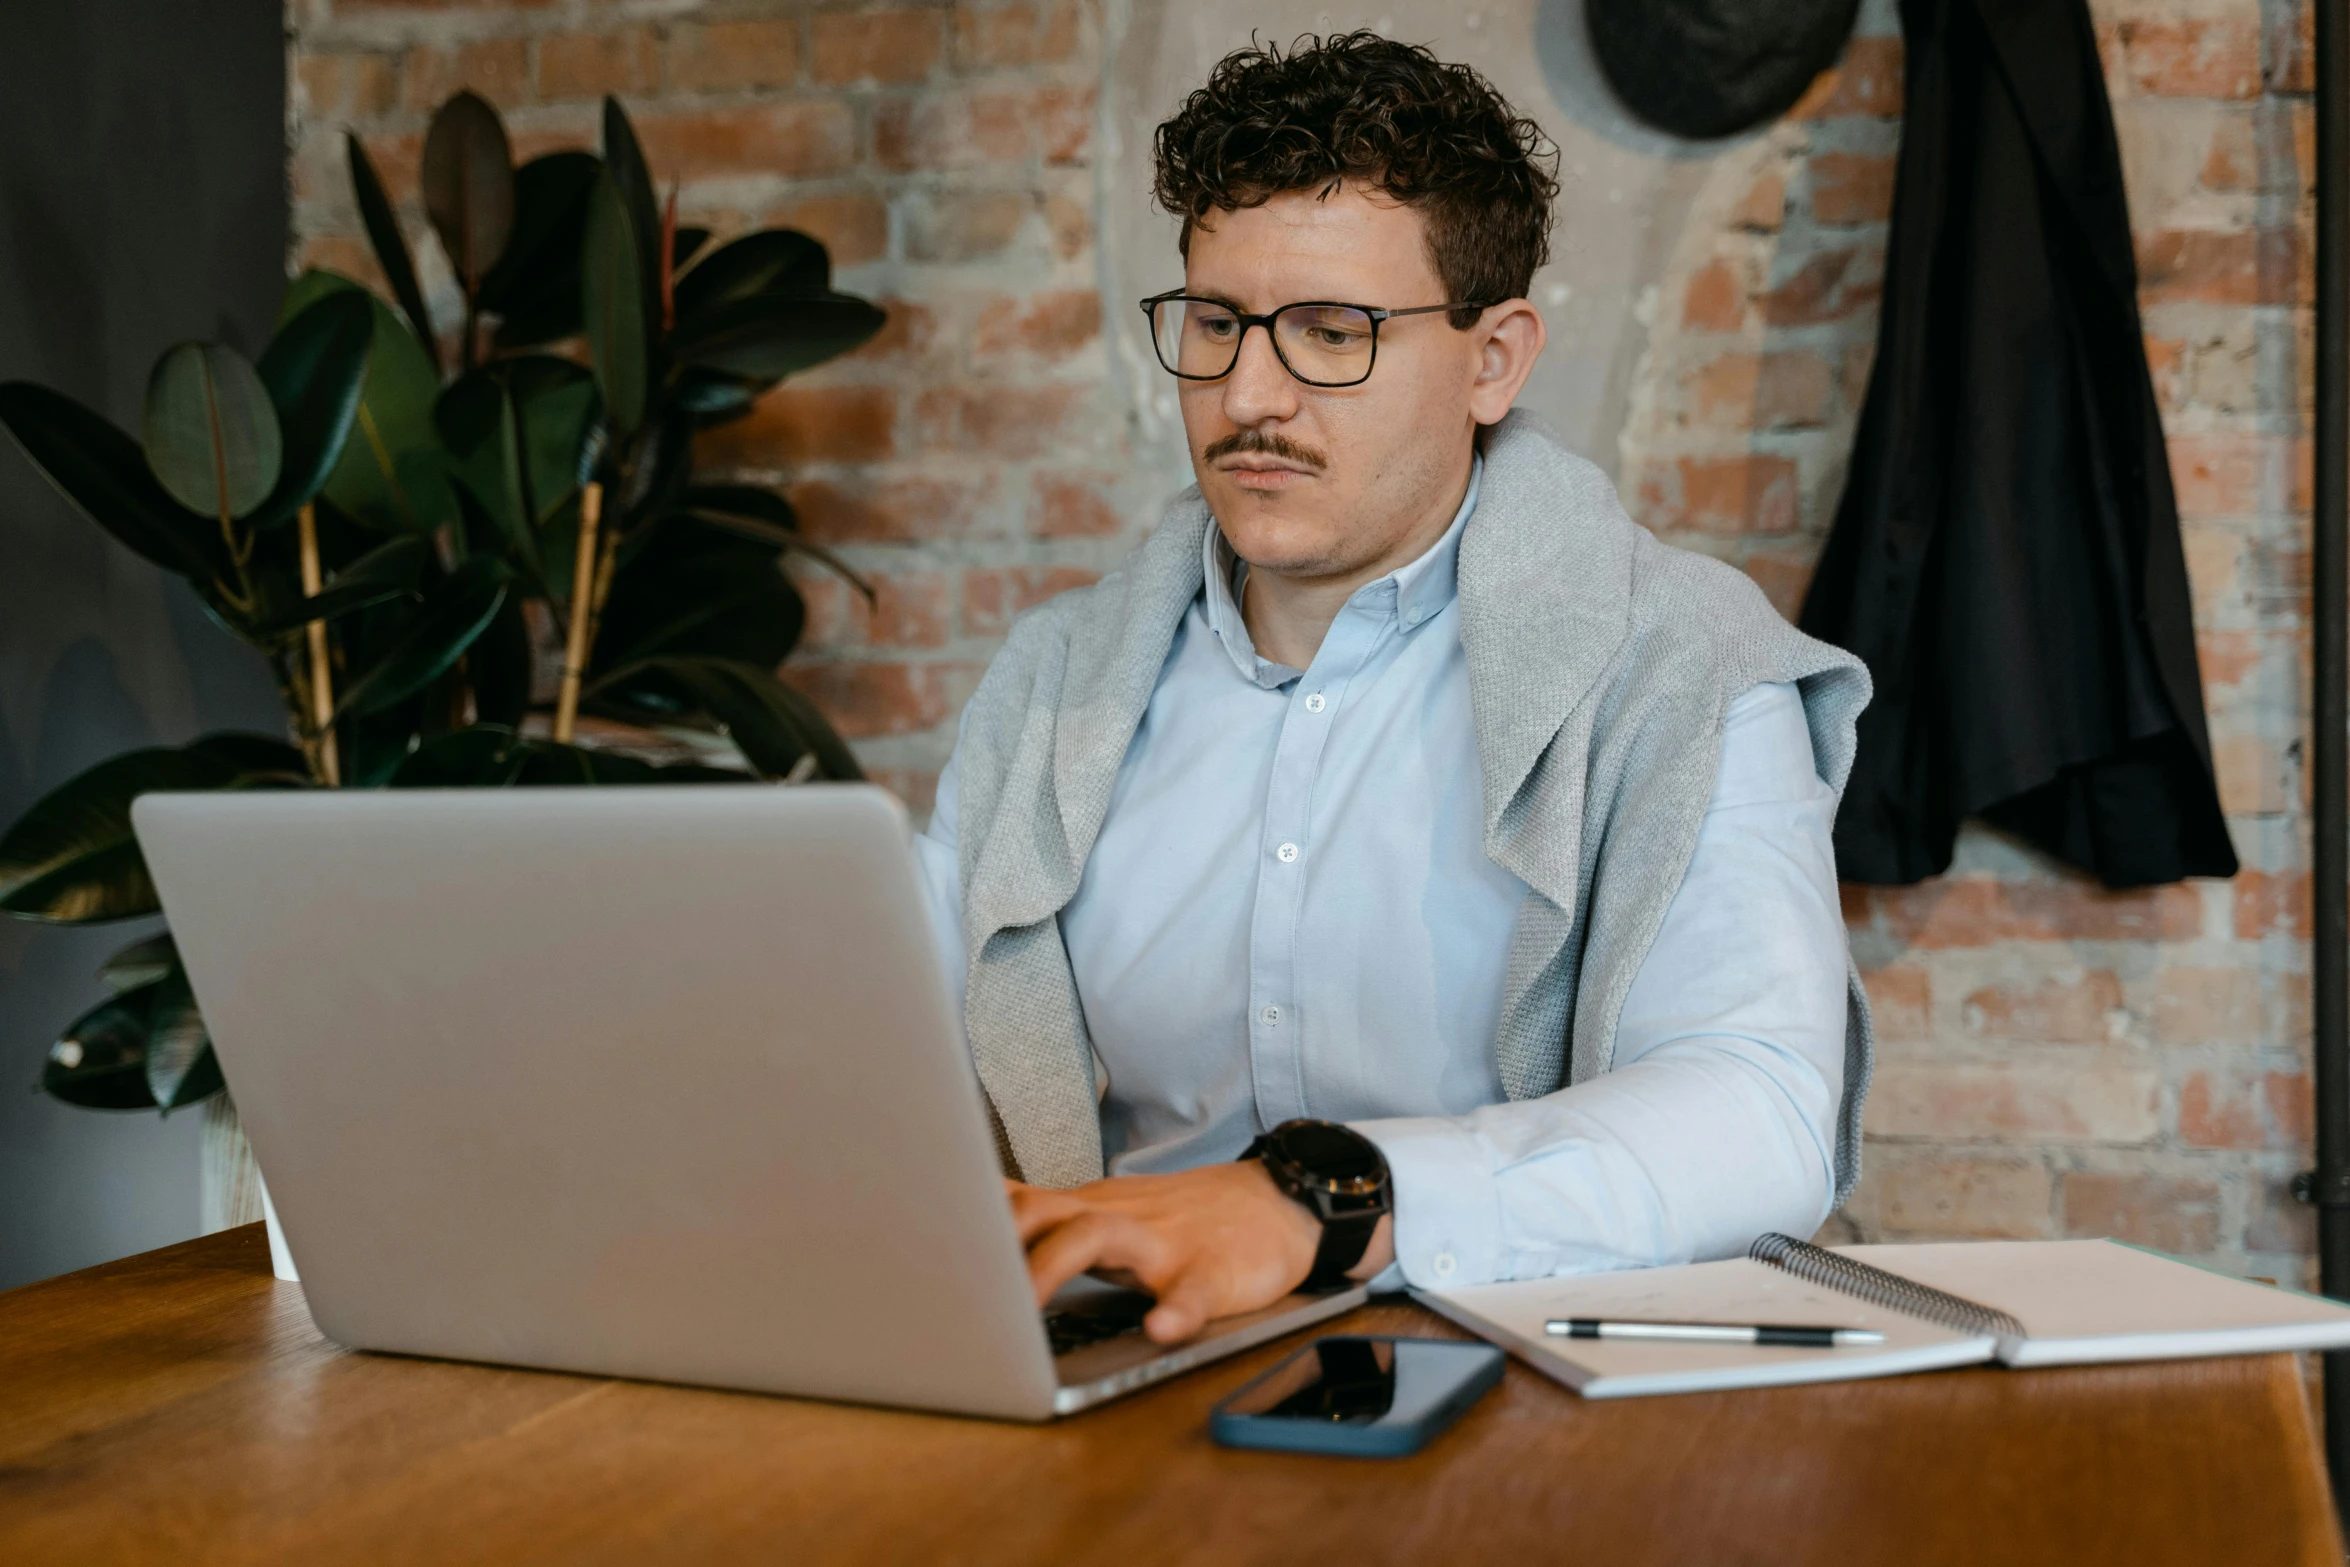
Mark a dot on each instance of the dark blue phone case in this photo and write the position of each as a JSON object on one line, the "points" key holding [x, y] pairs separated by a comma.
{"points": [[1438, 1379]]}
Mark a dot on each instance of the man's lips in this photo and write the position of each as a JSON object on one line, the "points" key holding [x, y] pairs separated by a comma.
{"points": [[1264, 473]]}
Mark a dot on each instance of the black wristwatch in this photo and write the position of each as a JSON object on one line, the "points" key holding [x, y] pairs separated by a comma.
{"points": [[1341, 1179]]}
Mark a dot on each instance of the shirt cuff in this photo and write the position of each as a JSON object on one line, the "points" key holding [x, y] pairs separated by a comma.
{"points": [[1447, 1207]]}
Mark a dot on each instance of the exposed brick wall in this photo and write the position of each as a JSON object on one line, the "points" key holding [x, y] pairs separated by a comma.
{"points": [[2057, 1059]]}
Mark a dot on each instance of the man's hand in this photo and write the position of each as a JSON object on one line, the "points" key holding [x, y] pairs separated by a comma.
{"points": [[1210, 1242]]}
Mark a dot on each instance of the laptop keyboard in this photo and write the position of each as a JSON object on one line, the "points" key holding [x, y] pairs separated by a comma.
{"points": [[1115, 1318]]}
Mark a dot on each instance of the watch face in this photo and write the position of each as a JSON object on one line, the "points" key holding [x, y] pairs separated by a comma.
{"points": [[1330, 1153]]}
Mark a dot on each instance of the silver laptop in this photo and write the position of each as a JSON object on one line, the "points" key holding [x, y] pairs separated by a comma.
{"points": [[658, 1083]]}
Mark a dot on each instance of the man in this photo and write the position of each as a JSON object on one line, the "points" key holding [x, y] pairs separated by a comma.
{"points": [[1399, 780]]}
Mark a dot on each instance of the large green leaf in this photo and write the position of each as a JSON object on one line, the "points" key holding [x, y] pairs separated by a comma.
{"points": [[500, 667], [315, 368], [102, 471], [443, 627], [770, 723], [210, 434], [481, 428], [695, 588], [140, 963], [100, 1061], [393, 474], [388, 572], [73, 859], [391, 249], [558, 404], [612, 290], [534, 288], [181, 1069], [493, 756], [781, 262], [768, 337], [625, 165], [469, 186]]}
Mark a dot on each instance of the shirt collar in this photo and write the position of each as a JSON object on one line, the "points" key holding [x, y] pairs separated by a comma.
{"points": [[1418, 591]]}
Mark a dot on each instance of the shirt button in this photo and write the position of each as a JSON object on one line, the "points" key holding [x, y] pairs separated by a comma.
{"points": [[1286, 854], [1444, 1264], [1315, 704], [1271, 1016]]}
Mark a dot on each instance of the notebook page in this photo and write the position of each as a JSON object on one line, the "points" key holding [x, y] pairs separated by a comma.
{"points": [[2096, 1300], [1737, 1291]]}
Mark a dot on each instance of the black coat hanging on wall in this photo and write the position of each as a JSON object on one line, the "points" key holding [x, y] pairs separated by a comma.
{"points": [[2006, 558]]}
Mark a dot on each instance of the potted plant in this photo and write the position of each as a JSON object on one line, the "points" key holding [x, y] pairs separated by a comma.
{"points": [[448, 546]]}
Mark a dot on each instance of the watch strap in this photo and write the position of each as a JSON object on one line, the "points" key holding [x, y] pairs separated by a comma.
{"points": [[1344, 1240]]}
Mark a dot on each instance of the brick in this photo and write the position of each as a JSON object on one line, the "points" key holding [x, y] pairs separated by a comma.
{"points": [[1068, 508], [1048, 327], [731, 56], [349, 86], [795, 424], [1866, 81], [2232, 161], [908, 334], [1715, 300], [2238, 475], [865, 700], [790, 140], [1002, 421], [352, 257], [964, 226], [2280, 1221], [895, 47], [1850, 188], [2085, 1010], [1020, 34], [589, 65], [2271, 903], [1750, 494], [917, 786], [1955, 1198], [2291, 55], [2244, 1110], [496, 68], [1901, 1001], [2256, 776], [2197, 57], [1763, 391], [854, 226], [1974, 911], [1764, 206], [993, 597], [1071, 225], [2216, 266], [894, 511], [2208, 1006], [1831, 286], [1782, 580], [2014, 1103], [1853, 373], [908, 610], [2166, 1213], [954, 131]]}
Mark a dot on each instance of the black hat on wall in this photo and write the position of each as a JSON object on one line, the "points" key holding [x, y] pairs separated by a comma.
{"points": [[1704, 69]]}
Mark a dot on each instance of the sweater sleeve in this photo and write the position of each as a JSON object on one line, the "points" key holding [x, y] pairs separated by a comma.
{"points": [[1717, 1121]]}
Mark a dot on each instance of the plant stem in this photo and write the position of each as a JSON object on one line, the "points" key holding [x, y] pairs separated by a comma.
{"points": [[322, 695], [583, 600]]}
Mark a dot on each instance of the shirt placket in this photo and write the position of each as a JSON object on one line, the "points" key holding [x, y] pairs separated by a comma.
{"points": [[1277, 1011]]}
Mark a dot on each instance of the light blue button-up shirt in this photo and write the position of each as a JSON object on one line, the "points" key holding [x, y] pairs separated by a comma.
{"points": [[1289, 912]]}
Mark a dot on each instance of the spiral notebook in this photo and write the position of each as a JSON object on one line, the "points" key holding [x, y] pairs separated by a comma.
{"points": [[2020, 1303]]}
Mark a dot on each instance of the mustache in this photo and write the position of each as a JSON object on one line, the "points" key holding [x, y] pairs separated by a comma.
{"points": [[1270, 443]]}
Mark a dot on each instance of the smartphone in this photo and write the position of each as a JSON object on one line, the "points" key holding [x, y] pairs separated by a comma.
{"points": [[1364, 1397]]}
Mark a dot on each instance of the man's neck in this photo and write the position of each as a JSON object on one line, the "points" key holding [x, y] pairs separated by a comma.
{"points": [[1288, 616]]}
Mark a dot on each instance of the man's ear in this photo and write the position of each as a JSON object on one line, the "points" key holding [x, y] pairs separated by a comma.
{"points": [[1513, 335]]}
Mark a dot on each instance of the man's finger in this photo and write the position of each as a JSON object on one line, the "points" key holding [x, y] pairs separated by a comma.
{"points": [[1093, 1239], [1183, 1309], [1036, 1209]]}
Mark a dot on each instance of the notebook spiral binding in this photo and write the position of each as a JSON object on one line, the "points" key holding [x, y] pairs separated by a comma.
{"points": [[1817, 1265]]}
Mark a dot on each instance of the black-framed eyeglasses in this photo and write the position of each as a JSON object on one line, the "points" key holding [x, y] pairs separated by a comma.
{"points": [[1322, 342]]}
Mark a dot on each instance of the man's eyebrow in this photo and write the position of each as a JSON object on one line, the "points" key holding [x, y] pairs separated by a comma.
{"points": [[1229, 303]]}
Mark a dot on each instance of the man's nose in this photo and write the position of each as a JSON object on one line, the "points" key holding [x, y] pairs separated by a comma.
{"points": [[1258, 388]]}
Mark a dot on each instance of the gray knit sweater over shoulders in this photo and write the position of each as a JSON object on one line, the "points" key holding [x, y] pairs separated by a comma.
{"points": [[1602, 665]]}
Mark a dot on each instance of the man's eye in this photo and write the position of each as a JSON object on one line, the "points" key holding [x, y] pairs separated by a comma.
{"points": [[1333, 337], [1215, 326]]}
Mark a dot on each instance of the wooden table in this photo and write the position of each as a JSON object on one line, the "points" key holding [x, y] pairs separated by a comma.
{"points": [[180, 1407]]}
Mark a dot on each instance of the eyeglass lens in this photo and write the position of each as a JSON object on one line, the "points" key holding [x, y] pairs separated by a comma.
{"points": [[1327, 345]]}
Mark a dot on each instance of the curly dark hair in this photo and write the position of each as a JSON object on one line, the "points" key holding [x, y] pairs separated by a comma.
{"points": [[1356, 106]]}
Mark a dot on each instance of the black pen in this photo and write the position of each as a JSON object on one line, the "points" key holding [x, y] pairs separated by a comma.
{"points": [[1788, 1336]]}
